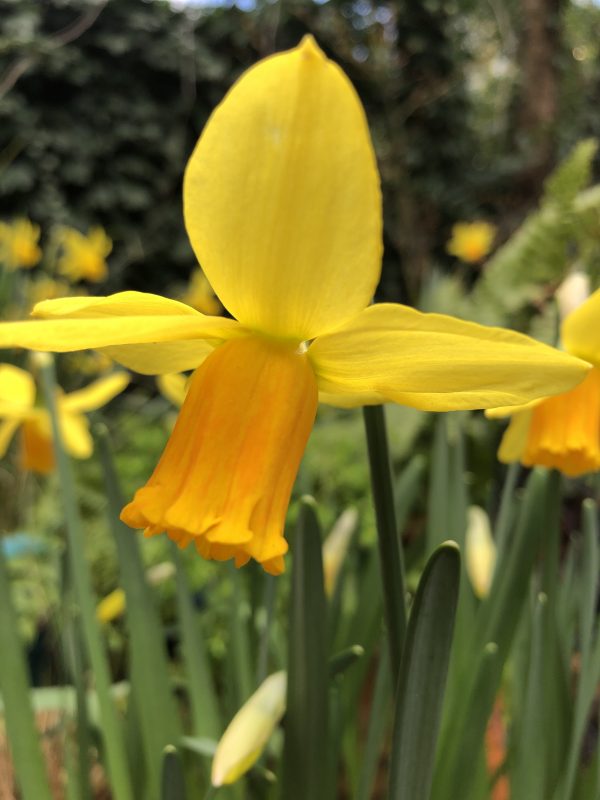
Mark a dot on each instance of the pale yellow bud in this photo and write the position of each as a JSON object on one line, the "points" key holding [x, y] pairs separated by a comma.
{"points": [[250, 729], [573, 291], [480, 551], [336, 546]]}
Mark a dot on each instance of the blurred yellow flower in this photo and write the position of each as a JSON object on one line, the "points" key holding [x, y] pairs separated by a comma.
{"points": [[249, 731], [112, 606], [174, 387], [19, 244], [282, 204], [199, 295], [562, 432], [83, 257], [45, 288], [471, 241], [18, 410]]}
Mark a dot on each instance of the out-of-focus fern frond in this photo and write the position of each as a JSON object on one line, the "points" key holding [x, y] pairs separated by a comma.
{"points": [[540, 253]]}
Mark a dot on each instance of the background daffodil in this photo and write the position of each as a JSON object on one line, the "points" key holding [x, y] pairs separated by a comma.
{"points": [[19, 244], [471, 241], [18, 409], [283, 208], [562, 432], [84, 257]]}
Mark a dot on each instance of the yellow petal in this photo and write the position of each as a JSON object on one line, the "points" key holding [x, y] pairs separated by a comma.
{"points": [[437, 363], [514, 439], [76, 437], [8, 428], [580, 331], [96, 395], [160, 358], [17, 387], [249, 731], [173, 387], [508, 411], [281, 197], [78, 323]]}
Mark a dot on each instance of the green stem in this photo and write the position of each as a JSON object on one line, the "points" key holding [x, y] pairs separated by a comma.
{"points": [[390, 545], [114, 740]]}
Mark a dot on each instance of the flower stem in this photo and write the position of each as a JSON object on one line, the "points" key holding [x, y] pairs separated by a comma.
{"points": [[114, 740], [390, 545]]}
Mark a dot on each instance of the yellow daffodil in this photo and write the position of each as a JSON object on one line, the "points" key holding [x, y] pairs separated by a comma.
{"points": [[19, 244], [471, 241], [83, 257], [18, 410], [45, 288], [283, 208], [249, 731], [199, 295], [562, 432]]}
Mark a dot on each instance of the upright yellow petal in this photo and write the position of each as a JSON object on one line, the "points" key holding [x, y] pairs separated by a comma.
{"points": [[580, 331], [436, 363], [96, 394], [281, 197], [128, 318]]}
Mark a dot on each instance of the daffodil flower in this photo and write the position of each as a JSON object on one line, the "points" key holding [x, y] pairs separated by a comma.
{"points": [[84, 257], [19, 244], [562, 432], [471, 241], [283, 208], [18, 409]]}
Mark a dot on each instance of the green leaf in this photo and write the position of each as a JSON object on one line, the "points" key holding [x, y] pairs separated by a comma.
{"points": [[423, 676], [112, 730], [20, 725], [306, 725], [379, 717], [388, 535], [206, 719], [159, 721], [173, 783]]}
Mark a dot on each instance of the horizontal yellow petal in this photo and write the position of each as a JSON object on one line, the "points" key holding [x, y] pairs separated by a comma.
{"points": [[437, 363], [120, 304], [160, 358], [281, 197], [17, 387], [96, 395], [580, 331], [508, 411], [75, 323]]}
